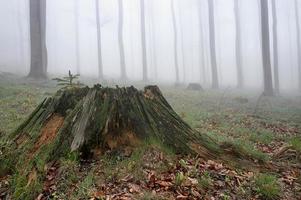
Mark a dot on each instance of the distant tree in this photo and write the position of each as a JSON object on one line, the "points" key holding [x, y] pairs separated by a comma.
{"points": [[215, 82], [152, 27], [182, 45], [298, 43], [77, 48], [201, 44], [98, 27], [20, 33], [275, 47], [143, 40], [120, 40], [38, 65], [175, 30], [238, 52], [266, 57]]}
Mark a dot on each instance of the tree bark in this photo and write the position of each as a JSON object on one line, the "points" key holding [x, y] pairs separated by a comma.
{"points": [[143, 40], [120, 41], [99, 50], [215, 81], [38, 66], [238, 52], [153, 29], [201, 45], [275, 47], [175, 30], [77, 48], [20, 34], [267, 69], [182, 46], [298, 43]]}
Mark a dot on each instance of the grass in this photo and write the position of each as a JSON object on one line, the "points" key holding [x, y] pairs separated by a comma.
{"points": [[85, 187], [296, 144], [225, 118], [267, 186], [180, 178], [205, 181]]}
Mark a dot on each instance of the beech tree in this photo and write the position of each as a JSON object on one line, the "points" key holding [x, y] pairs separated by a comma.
{"points": [[120, 41], [38, 64], [214, 73], [98, 27], [275, 47], [77, 48], [266, 57], [143, 40], [175, 30], [238, 52], [201, 45], [298, 43]]}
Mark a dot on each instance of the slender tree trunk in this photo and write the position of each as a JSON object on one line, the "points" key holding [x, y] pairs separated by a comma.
{"points": [[120, 41], [153, 29], [100, 63], [20, 34], [38, 66], [240, 79], [298, 43], [182, 47], [275, 47], [174, 22], [215, 82], [77, 49], [143, 40], [267, 69], [201, 45]]}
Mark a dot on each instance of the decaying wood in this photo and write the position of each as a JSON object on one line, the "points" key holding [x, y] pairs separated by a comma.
{"points": [[107, 118]]}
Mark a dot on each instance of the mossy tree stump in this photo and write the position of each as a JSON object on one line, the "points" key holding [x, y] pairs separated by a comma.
{"points": [[86, 120]]}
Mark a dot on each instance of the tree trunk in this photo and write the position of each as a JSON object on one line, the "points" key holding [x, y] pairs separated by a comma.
{"points": [[38, 66], [153, 29], [120, 41], [98, 26], [20, 34], [240, 80], [298, 43], [143, 40], [202, 47], [175, 30], [267, 69], [275, 47], [77, 48], [215, 82], [182, 46]]}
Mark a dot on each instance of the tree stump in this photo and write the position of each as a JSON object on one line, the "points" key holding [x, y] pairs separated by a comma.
{"points": [[86, 121]]}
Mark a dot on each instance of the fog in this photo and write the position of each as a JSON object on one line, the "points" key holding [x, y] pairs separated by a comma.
{"points": [[193, 43]]}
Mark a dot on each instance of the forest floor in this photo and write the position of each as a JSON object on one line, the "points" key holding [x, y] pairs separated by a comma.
{"points": [[268, 129]]}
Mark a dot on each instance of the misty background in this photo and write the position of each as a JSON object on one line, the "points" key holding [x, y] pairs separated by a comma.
{"points": [[193, 42]]}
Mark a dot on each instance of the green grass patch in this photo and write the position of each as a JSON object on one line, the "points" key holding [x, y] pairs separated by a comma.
{"points": [[296, 143], [267, 186]]}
